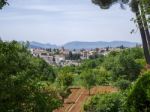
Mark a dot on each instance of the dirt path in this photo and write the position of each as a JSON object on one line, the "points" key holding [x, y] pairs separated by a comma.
{"points": [[78, 96]]}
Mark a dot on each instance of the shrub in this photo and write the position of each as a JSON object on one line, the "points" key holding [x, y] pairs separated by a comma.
{"points": [[138, 99], [111, 102]]}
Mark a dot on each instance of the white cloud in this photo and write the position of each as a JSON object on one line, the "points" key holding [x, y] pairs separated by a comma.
{"points": [[45, 8]]}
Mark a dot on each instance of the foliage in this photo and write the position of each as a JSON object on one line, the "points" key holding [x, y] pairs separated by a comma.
{"points": [[138, 99], [111, 102], [122, 65], [20, 75], [65, 80], [147, 8], [136, 53], [103, 77], [67, 69], [28, 83], [106, 4], [88, 79], [3, 3], [95, 56], [91, 63], [122, 84], [141, 62]]}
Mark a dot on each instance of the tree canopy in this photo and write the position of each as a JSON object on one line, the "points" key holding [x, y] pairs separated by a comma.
{"points": [[25, 81], [3, 3]]}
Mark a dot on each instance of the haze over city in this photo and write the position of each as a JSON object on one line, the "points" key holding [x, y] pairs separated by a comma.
{"points": [[62, 21]]}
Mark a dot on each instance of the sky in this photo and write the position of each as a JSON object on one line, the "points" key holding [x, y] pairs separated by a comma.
{"points": [[61, 21]]}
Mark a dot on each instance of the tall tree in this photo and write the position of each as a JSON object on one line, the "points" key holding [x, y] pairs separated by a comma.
{"points": [[25, 81], [136, 8], [88, 79]]}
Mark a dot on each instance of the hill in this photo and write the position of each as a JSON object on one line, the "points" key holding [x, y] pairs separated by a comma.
{"points": [[100, 44], [85, 45], [41, 45]]}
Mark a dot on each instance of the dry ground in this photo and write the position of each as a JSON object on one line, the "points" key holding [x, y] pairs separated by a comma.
{"points": [[75, 100]]}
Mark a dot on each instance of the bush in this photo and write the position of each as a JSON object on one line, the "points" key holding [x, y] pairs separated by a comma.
{"points": [[103, 77], [104, 103], [122, 84], [88, 79], [21, 77], [122, 66], [138, 99]]}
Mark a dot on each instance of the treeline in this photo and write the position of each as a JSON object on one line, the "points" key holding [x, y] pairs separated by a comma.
{"points": [[29, 84], [25, 81]]}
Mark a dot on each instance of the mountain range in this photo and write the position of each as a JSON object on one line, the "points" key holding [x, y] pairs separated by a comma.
{"points": [[85, 45]]}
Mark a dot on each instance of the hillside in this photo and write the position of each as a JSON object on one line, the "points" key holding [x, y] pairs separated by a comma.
{"points": [[85, 45]]}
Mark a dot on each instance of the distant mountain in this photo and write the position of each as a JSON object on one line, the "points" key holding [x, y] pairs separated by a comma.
{"points": [[85, 45], [41, 45], [99, 44]]}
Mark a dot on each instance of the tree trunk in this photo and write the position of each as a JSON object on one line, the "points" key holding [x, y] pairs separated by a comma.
{"points": [[145, 25], [143, 36]]}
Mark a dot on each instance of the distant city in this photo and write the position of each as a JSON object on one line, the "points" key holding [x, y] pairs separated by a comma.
{"points": [[72, 53]]}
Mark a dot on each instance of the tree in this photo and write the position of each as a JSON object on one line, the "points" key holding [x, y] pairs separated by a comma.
{"points": [[122, 84], [110, 102], [146, 4], [138, 99], [25, 81], [3, 3], [64, 81], [103, 77], [122, 65], [88, 79], [136, 7]]}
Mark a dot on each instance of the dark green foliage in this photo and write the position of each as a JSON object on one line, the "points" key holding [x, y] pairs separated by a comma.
{"points": [[129, 68], [123, 65], [136, 53], [65, 80], [104, 103], [67, 69], [139, 96], [103, 77], [147, 7], [96, 56], [21, 81], [106, 4], [46, 72], [89, 64], [122, 84], [27, 83], [92, 63], [3, 3], [141, 62]]}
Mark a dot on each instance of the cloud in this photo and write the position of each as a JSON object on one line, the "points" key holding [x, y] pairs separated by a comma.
{"points": [[45, 8]]}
